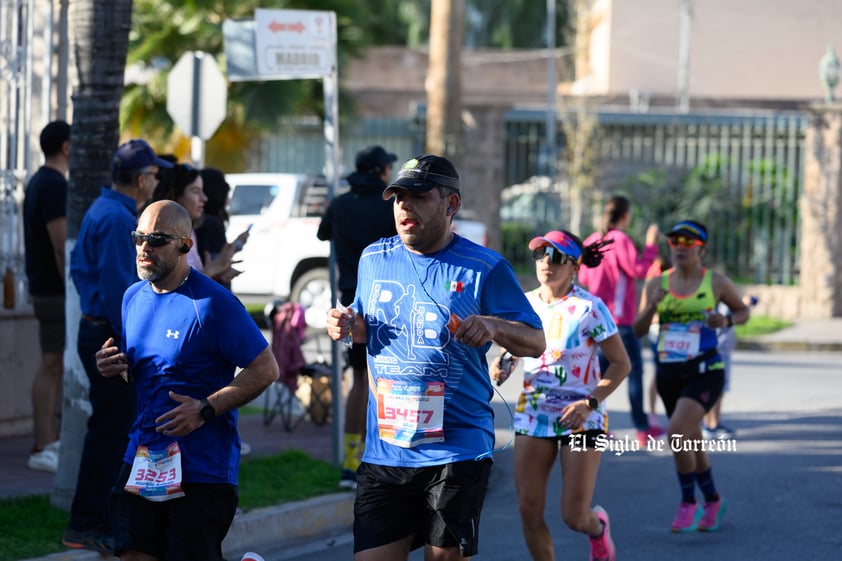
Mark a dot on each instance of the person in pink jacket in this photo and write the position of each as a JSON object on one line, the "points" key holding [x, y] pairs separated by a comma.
{"points": [[615, 283]]}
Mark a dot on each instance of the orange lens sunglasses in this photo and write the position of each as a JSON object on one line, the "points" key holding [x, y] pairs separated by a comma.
{"points": [[681, 241]]}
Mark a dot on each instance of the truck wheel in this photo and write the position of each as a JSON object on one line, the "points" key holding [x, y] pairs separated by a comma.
{"points": [[312, 290]]}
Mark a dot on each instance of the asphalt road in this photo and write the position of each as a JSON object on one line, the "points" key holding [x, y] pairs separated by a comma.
{"points": [[783, 483]]}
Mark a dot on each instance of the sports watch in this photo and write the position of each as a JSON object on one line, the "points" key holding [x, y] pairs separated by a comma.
{"points": [[593, 402], [206, 410]]}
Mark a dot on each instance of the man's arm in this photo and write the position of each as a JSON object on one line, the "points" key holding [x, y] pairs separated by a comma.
{"points": [[517, 337], [57, 230], [247, 385], [325, 231]]}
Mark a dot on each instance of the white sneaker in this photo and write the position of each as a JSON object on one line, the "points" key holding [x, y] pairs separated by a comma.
{"points": [[54, 447], [245, 449], [45, 460]]}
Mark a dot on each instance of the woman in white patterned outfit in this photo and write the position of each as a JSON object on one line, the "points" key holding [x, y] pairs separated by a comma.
{"points": [[561, 410]]}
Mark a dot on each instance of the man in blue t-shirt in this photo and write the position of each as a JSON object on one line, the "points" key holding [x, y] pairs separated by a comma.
{"points": [[183, 337], [428, 306], [44, 234]]}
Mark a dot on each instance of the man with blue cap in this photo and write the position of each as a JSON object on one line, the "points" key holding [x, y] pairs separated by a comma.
{"points": [[102, 266]]}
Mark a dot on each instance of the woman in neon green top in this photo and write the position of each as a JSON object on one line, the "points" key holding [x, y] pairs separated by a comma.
{"points": [[690, 373]]}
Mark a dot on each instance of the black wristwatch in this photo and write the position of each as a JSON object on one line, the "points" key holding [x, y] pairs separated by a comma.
{"points": [[206, 410], [593, 402]]}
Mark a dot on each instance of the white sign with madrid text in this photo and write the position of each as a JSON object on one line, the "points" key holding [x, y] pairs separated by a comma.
{"points": [[295, 44]]}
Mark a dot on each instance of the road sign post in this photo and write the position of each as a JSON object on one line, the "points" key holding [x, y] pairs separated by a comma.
{"points": [[197, 94], [293, 45]]}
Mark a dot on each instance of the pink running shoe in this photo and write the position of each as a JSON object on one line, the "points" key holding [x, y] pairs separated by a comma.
{"points": [[712, 516], [602, 547], [643, 436], [687, 519]]}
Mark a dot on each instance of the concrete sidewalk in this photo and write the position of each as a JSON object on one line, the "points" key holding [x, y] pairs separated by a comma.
{"points": [[331, 515]]}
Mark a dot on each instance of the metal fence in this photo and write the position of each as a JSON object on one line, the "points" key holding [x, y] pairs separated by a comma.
{"points": [[740, 174], [16, 60], [299, 148]]}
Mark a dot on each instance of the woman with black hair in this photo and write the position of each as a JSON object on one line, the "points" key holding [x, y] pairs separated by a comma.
{"points": [[210, 235], [184, 185], [690, 372], [561, 410]]}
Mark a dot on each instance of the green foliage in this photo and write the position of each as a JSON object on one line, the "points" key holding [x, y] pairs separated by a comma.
{"points": [[162, 32], [32, 527], [761, 325], [746, 203], [516, 236]]}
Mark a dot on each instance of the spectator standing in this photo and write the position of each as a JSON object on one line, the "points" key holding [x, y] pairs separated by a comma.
{"points": [[354, 220], [690, 371], [44, 235], [184, 185], [210, 235], [182, 363], [102, 267], [561, 410], [614, 281], [428, 305]]}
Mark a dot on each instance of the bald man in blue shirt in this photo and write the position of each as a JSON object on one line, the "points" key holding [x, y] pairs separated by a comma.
{"points": [[102, 265]]}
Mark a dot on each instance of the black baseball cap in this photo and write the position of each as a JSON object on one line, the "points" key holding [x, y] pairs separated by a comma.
{"points": [[374, 157], [422, 173]]}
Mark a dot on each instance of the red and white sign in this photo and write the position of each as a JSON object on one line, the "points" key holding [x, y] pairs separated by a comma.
{"points": [[295, 44]]}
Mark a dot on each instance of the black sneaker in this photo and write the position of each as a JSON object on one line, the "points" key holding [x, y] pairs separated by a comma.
{"points": [[94, 541], [348, 479]]}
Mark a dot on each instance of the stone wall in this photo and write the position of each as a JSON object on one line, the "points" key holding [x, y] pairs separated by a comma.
{"points": [[821, 222], [481, 166], [20, 354]]}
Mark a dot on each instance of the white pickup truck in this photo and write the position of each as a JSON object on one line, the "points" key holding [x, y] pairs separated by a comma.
{"points": [[283, 257]]}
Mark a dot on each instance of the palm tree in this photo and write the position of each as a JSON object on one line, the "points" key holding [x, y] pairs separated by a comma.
{"points": [[100, 41]]}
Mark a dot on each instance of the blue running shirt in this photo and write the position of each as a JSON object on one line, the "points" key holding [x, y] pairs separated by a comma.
{"points": [[408, 302], [188, 341]]}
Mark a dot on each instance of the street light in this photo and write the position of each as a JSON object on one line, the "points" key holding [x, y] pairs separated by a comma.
{"points": [[829, 72]]}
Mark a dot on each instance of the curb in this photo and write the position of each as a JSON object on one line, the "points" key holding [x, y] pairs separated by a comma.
{"points": [[770, 345], [267, 528], [264, 528]]}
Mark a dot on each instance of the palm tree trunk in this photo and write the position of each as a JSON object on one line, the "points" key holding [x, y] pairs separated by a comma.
{"points": [[99, 44], [444, 96]]}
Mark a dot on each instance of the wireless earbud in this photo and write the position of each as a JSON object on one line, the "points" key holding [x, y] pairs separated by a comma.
{"points": [[184, 248], [448, 210]]}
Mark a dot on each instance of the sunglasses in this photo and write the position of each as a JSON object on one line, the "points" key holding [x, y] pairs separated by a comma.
{"points": [[556, 257], [155, 239], [681, 241]]}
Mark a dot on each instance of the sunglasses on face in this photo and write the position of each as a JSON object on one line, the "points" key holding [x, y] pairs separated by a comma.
{"points": [[681, 241], [155, 239], [556, 257]]}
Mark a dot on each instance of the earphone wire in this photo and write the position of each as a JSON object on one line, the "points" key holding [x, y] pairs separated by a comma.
{"points": [[511, 429]]}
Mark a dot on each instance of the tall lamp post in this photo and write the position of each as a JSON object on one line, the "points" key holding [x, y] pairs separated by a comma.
{"points": [[829, 72]]}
